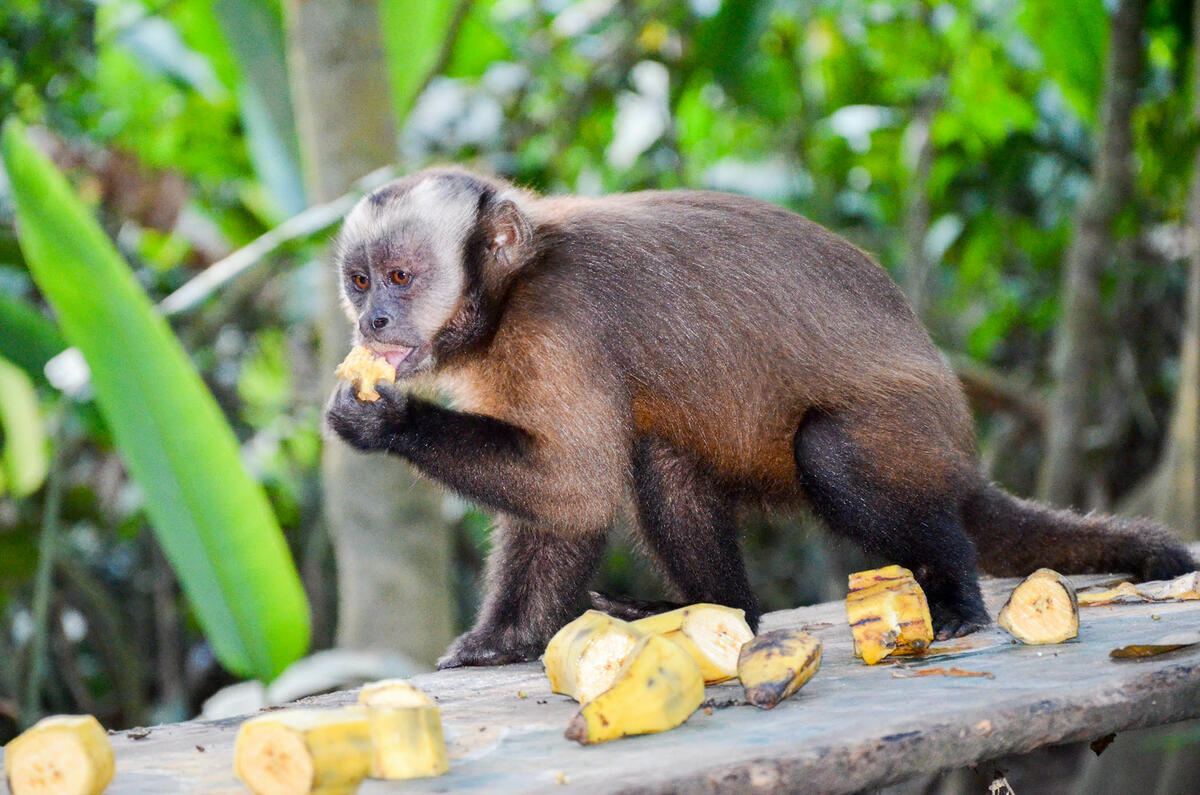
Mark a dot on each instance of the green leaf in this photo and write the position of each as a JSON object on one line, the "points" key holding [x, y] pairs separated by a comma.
{"points": [[27, 338], [23, 460], [1073, 38], [212, 520], [254, 30], [414, 32]]}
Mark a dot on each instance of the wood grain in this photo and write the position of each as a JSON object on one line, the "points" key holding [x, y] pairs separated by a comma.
{"points": [[851, 727]]}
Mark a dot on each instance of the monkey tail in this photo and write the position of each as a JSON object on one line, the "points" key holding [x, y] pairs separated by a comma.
{"points": [[1014, 537]]}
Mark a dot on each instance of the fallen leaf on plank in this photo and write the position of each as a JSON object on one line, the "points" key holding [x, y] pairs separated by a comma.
{"points": [[1167, 643], [910, 673]]}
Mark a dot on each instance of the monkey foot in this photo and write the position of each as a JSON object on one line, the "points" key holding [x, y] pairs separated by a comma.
{"points": [[486, 648]]}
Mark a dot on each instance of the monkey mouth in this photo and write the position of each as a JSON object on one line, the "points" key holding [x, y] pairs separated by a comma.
{"points": [[405, 359]]}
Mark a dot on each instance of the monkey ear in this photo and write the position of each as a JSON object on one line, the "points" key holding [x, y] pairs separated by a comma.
{"points": [[508, 232]]}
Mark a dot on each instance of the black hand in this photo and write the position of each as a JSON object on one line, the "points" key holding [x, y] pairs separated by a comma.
{"points": [[367, 425]]}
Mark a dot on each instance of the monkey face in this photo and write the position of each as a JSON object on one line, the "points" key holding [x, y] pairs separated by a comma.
{"points": [[418, 253], [401, 267]]}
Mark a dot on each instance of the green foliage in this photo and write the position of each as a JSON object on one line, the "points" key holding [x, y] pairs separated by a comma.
{"points": [[212, 520], [413, 35], [27, 338], [23, 459], [1072, 36]]}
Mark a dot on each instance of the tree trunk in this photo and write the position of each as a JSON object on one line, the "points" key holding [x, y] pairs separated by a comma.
{"points": [[1078, 349], [391, 541], [918, 266], [1172, 493]]}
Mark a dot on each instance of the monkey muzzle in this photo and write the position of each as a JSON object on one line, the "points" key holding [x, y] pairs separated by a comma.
{"points": [[405, 359]]}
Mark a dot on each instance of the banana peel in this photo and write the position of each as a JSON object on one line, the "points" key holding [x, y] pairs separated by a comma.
{"points": [[774, 665], [712, 634], [583, 658], [657, 688]]}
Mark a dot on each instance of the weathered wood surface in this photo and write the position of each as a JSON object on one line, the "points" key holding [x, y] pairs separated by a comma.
{"points": [[851, 727]]}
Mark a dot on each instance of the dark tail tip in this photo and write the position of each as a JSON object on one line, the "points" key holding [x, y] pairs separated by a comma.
{"points": [[1015, 537]]}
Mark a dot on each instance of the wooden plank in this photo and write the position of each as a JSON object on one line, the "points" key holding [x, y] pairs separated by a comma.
{"points": [[851, 727]]}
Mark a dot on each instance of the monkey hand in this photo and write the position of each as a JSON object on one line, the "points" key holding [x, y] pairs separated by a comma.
{"points": [[367, 425]]}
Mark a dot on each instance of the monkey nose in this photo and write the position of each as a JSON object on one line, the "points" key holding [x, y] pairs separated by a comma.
{"points": [[379, 321]]}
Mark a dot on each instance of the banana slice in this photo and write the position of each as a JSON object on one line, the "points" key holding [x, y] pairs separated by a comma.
{"points": [[1042, 609], [60, 755], [888, 614], [406, 729], [302, 751]]}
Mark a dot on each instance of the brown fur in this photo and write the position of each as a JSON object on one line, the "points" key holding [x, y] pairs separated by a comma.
{"points": [[673, 354]]}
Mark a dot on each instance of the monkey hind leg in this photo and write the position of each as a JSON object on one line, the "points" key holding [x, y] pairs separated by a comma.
{"points": [[688, 521], [909, 518], [1015, 537], [534, 583]]}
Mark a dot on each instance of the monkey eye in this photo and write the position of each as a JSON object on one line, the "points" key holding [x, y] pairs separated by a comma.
{"points": [[360, 281], [400, 277]]}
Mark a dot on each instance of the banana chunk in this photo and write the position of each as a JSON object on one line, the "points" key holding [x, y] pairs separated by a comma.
{"points": [[1042, 609], [776, 664], [302, 751], [712, 634], [406, 729], [60, 755], [657, 688], [583, 658], [364, 369], [888, 614]]}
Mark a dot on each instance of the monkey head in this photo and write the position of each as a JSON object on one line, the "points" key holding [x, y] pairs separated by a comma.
{"points": [[422, 259]]}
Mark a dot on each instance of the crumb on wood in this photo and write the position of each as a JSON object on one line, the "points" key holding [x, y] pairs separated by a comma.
{"points": [[200, 748], [139, 733]]}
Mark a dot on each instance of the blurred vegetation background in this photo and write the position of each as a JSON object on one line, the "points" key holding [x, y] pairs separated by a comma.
{"points": [[1026, 171]]}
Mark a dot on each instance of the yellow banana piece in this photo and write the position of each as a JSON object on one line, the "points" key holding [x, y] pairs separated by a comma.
{"points": [[888, 614], [712, 634], [1042, 609], [657, 688], [776, 664], [60, 755], [302, 751], [406, 730], [583, 658], [363, 368]]}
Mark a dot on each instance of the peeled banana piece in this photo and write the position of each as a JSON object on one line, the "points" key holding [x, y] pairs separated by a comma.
{"points": [[774, 665], [1042, 609], [656, 689], [302, 751], [888, 614], [406, 730], [583, 658], [712, 634], [363, 368], [60, 755]]}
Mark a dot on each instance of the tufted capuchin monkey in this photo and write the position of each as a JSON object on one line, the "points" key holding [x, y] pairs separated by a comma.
{"points": [[675, 356]]}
